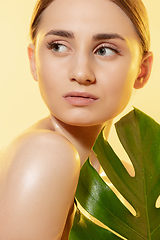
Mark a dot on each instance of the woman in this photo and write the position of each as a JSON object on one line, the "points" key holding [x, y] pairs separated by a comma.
{"points": [[87, 56]]}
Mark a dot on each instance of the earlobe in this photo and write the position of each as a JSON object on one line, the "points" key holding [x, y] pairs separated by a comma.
{"points": [[31, 56], [145, 71]]}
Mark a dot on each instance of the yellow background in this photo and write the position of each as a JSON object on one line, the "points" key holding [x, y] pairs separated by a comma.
{"points": [[20, 101]]}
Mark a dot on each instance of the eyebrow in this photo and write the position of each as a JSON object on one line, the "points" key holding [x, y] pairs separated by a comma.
{"points": [[103, 36], [99, 36], [61, 33]]}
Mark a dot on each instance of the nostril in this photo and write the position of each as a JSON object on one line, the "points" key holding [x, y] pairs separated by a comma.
{"points": [[73, 79], [88, 80]]}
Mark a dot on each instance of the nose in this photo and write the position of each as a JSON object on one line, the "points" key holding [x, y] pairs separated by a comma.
{"points": [[82, 70]]}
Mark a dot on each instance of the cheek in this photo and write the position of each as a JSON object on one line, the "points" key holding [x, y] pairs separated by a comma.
{"points": [[47, 87], [47, 74], [118, 77], [118, 86]]}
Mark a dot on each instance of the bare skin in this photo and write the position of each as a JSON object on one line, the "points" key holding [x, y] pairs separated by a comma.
{"points": [[86, 70], [40, 127]]}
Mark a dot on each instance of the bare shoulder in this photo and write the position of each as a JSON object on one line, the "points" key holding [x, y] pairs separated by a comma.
{"points": [[41, 144], [38, 179]]}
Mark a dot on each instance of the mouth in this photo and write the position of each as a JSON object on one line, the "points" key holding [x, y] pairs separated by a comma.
{"points": [[80, 98], [81, 95]]}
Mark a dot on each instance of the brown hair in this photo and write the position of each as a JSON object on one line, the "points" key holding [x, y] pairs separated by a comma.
{"points": [[134, 9], [41, 5]]}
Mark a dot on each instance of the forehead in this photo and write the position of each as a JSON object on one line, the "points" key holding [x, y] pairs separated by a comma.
{"points": [[87, 16]]}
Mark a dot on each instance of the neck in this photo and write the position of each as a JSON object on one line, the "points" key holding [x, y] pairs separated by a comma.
{"points": [[81, 137]]}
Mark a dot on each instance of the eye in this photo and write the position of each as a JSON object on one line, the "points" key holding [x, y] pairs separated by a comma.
{"points": [[57, 47], [107, 50]]}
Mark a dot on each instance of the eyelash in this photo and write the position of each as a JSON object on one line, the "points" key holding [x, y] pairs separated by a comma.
{"points": [[51, 45], [109, 46]]}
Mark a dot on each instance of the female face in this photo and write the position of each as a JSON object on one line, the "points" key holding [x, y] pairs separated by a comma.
{"points": [[86, 60]]}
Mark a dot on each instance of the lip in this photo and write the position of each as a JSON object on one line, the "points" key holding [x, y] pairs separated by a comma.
{"points": [[78, 98]]}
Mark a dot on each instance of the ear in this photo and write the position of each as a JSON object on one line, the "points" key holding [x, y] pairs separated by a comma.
{"points": [[31, 56], [145, 70]]}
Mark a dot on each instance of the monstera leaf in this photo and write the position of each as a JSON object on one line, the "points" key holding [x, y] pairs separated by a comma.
{"points": [[140, 137]]}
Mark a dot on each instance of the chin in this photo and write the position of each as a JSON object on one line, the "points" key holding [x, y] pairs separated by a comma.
{"points": [[76, 122], [83, 122], [80, 123]]}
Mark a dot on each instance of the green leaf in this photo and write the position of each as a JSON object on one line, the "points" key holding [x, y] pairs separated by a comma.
{"points": [[86, 229], [140, 137]]}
